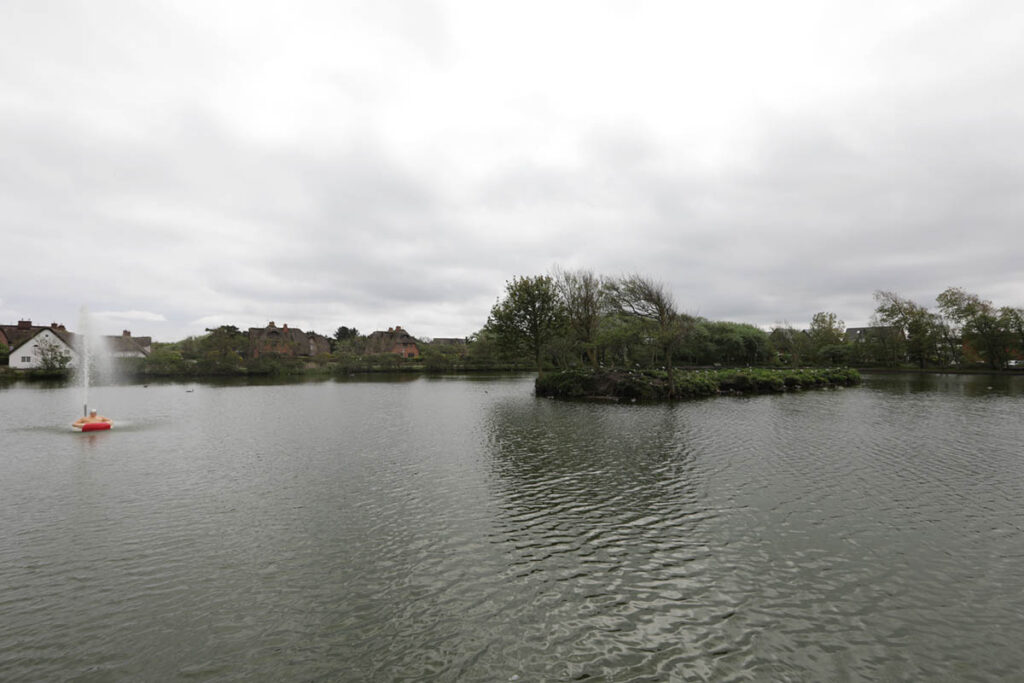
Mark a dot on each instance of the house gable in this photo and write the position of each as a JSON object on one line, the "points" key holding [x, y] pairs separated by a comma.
{"points": [[28, 354]]}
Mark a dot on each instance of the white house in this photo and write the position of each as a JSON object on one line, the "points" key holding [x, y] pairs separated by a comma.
{"points": [[30, 343], [30, 352], [127, 346]]}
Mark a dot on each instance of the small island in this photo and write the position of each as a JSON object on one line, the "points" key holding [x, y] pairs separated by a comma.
{"points": [[653, 385]]}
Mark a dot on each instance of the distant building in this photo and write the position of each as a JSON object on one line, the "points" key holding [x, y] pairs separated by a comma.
{"points": [[27, 344], [395, 340], [450, 341], [288, 342], [457, 345], [14, 335], [863, 334], [127, 346]]}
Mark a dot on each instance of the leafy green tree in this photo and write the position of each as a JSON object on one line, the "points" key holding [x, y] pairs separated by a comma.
{"points": [[5, 353], [919, 327], [342, 335], [793, 346], [164, 360], [826, 333], [483, 350], [1014, 318], [222, 349], [732, 343], [985, 328], [528, 317], [620, 338], [52, 357]]}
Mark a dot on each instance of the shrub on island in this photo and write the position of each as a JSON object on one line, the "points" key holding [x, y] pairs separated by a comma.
{"points": [[652, 385]]}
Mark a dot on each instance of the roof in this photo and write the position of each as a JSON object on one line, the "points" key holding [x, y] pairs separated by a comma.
{"points": [[450, 341], [18, 336], [122, 344], [70, 339], [308, 342]]}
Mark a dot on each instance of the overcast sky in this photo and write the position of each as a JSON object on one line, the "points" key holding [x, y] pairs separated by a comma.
{"points": [[180, 165]]}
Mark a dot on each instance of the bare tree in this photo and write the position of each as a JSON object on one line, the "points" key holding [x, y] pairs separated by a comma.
{"points": [[650, 301], [583, 300]]}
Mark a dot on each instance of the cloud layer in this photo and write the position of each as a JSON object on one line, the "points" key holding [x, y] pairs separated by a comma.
{"points": [[183, 165]]}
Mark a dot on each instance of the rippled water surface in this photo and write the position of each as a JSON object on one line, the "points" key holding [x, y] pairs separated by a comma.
{"points": [[460, 529]]}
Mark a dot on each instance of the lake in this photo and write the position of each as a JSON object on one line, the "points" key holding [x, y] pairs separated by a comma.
{"points": [[459, 529]]}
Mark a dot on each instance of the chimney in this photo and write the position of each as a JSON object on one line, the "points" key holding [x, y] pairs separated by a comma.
{"points": [[126, 333], [285, 328], [270, 324], [53, 326], [24, 324]]}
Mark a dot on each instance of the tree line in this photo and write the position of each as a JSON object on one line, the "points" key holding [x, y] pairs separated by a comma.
{"points": [[965, 330], [570, 318], [577, 318]]}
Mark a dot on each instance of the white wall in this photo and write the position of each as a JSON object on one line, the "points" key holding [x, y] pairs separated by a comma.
{"points": [[30, 350]]}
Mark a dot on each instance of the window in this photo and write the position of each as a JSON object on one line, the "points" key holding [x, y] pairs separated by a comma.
{"points": [[26, 359]]}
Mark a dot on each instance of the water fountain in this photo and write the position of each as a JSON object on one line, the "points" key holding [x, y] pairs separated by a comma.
{"points": [[94, 362]]}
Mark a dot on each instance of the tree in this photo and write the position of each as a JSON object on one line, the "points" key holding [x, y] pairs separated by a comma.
{"points": [[529, 316], [986, 329], [344, 333], [224, 346], [652, 303], [793, 346], [826, 333], [1014, 318], [918, 326], [583, 298], [52, 357]]}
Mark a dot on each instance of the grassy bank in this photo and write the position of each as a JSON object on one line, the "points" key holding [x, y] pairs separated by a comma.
{"points": [[652, 385]]}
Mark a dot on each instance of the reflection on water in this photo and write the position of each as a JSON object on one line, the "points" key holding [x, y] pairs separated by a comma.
{"points": [[460, 529], [1002, 384]]}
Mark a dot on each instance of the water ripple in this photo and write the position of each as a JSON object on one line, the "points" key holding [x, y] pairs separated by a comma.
{"points": [[466, 531]]}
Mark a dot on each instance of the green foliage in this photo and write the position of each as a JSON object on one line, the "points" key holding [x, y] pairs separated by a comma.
{"points": [[53, 358], [794, 347], [225, 344], [826, 336], [273, 365], [728, 343], [528, 318], [988, 331], [919, 327], [653, 385], [585, 299], [652, 304], [344, 335], [164, 360], [440, 358]]}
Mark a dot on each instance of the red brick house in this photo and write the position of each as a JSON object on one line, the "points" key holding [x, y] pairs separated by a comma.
{"points": [[395, 340], [287, 342]]}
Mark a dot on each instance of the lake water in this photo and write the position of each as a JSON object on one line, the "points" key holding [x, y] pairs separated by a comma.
{"points": [[461, 529]]}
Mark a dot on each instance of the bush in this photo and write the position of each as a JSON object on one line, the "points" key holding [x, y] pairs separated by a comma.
{"points": [[653, 384]]}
